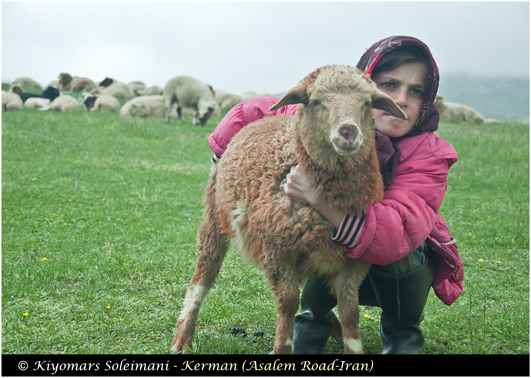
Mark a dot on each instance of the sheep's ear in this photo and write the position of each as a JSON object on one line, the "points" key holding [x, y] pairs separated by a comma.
{"points": [[294, 96], [381, 101]]}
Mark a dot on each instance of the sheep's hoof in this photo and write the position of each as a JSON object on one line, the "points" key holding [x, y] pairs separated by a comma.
{"points": [[182, 345]]}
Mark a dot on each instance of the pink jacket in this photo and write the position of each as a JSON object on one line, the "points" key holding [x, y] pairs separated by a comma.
{"points": [[408, 214]]}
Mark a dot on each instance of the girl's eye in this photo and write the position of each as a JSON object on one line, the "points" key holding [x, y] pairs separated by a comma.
{"points": [[388, 85], [316, 102], [417, 92]]}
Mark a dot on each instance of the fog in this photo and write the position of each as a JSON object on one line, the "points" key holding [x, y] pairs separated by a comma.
{"points": [[251, 46]]}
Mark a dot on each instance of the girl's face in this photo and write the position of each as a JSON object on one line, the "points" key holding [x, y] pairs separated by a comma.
{"points": [[406, 85]]}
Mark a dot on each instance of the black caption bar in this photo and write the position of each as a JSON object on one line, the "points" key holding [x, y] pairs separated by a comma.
{"points": [[245, 365]]}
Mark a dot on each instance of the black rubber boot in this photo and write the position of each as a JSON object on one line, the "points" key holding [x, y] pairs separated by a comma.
{"points": [[402, 298], [313, 325]]}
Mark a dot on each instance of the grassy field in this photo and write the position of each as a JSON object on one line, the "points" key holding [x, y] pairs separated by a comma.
{"points": [[99, 219]]}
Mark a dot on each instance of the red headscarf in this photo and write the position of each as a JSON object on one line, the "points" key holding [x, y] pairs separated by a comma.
{"points": [[388, 152]]}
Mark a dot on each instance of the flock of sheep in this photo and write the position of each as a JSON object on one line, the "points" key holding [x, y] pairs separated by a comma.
{"points": [[182, 96]]}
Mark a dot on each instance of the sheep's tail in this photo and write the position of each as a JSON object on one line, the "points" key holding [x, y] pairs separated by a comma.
{"points": [[213, 246]]}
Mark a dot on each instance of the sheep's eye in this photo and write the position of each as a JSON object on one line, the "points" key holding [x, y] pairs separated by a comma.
{"points": [[368, 103], [316, 102]]}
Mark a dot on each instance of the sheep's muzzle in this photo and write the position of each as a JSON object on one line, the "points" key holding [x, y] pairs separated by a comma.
{"points": [[347, 138]]}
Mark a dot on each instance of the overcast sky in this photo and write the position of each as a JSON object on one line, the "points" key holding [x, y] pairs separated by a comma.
{"points": [[251, 46]]}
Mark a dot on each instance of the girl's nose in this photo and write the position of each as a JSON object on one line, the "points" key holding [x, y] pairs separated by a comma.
{"points": [[401, 97]]}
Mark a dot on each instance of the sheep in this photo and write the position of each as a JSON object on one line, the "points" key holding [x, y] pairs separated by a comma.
{"points": [[230, 101], [455, 113], [226, 100], [74, 83], [151, 91], [99, 102], [63, 103], [115, 88], [332, 139], [106, 82], [248, 95], [51, 93], [36, 103], [136, 87], [27, 82], [11, 101], [188, 92], [16, 88], [144, 106]]}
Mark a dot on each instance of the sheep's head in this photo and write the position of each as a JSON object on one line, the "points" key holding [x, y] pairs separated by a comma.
{"points": [[205, 109], [64, 79], [51, 93], [106, 82], [335, 113], [15, 88], [88, 100]]}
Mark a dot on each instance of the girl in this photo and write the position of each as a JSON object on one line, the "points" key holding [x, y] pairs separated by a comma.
{"points": [[403, 236]]}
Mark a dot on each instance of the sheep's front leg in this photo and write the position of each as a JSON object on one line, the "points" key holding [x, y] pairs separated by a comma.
{"points": [[347, 290], [286, 288]]}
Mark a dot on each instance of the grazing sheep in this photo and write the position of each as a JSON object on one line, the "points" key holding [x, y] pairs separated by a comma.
{"points": [[11, 101], [63, 103], [37, 102], [455, 113], [144, 106], [99, 102], [74, 83], [27, 82], [332, 139], [51, 93], [188, 92], [151, 91]]}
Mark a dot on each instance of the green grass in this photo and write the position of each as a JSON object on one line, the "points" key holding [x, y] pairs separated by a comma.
{"points": [[114, 204]]}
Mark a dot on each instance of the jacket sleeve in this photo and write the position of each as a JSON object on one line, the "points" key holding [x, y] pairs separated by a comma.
{"points": [[241, 115], [402, 221]]}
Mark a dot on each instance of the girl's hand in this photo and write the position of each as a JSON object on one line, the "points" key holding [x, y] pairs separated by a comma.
{"points": [[298, 188]]}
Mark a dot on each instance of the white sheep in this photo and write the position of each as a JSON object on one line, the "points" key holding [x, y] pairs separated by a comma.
{"points": [[230, 102], [99, 102], [136, 87], [188, 92], [332, 139], [75, 83], [117, 89], [37, 102], [63, 103], [226, 100], [27, 82], [144, 106], [456, 113], [11, 101], [151, 91]]}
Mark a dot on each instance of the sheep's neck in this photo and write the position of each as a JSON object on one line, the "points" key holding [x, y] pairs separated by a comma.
{"points": [[349, 183]]}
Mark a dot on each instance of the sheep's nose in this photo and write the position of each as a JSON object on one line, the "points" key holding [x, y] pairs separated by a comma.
{"points": [[349, 131]]}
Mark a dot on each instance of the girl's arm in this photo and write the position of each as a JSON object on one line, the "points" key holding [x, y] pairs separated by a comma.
{"points": [[240, 116]]}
